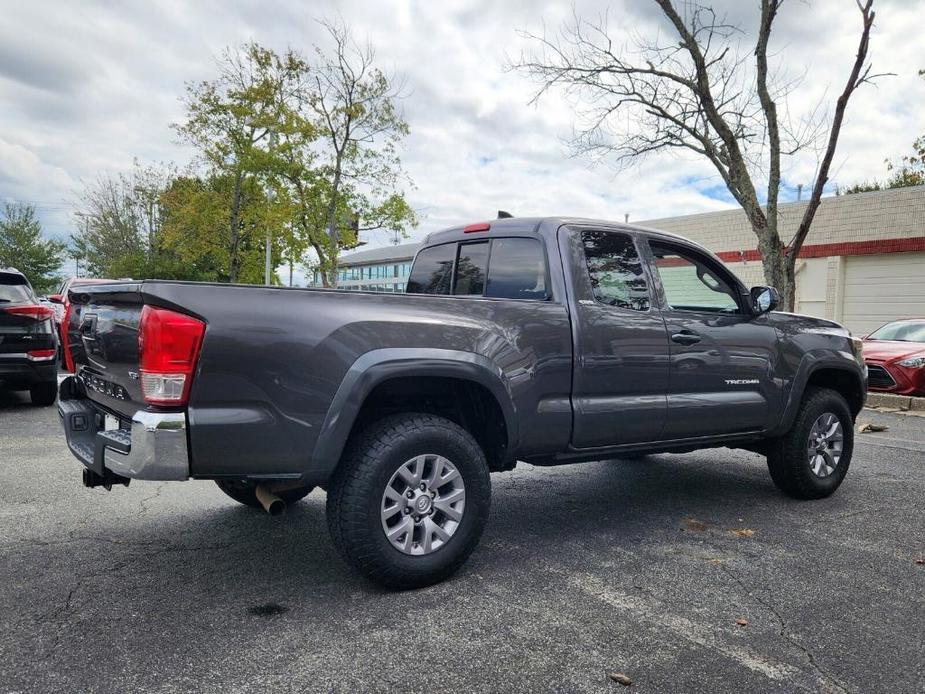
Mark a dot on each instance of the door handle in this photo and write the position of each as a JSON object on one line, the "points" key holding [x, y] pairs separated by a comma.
{"points": [[686, 337]]}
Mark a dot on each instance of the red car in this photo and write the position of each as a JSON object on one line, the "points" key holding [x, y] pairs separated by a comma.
{"points": [[895, 357], [61, 303]]}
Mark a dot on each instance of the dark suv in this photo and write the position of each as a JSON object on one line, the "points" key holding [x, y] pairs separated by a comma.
{"points": [[28, 344]]}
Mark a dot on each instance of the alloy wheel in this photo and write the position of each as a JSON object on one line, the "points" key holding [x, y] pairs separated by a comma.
{"points": [[423, 504], [824, 445]]}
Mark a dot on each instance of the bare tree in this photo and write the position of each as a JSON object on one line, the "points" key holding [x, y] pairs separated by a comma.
{"points": [[696, 91], [361, 128]]}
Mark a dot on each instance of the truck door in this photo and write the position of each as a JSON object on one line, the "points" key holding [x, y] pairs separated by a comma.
{"points": [[620, 370], [722, 376]]}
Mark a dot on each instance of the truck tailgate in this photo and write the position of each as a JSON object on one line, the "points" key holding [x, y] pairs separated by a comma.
{"points": [[102, 338]]}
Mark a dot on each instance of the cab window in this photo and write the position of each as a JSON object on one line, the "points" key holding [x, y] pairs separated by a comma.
{"points": [[433, 270], [690, 282], [501, 268], [615, 269]]}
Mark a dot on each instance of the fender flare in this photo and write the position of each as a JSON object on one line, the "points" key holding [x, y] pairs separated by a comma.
{"points": [[377, 366], [810, 363]]}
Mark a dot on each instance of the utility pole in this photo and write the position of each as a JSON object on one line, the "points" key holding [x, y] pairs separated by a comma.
{"points": [[266, 269]]}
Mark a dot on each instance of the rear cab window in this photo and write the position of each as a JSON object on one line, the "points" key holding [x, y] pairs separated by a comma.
{"points": [[499, 268], [433, 270], [615, 270]]}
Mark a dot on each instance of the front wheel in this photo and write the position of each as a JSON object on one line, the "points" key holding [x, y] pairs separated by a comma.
{"points": [[410, 500], [811, 460]]}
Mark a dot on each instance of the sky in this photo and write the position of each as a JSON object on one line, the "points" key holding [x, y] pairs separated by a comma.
{"points": [[89, 86]]}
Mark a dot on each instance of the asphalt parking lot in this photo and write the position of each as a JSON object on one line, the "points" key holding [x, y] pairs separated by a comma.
{"points": [[637, 567]]}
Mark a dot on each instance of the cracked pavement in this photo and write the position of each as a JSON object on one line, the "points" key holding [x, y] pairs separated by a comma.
{"points": [[620, 566]]}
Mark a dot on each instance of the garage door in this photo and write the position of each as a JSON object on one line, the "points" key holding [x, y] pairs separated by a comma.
{"points": [[881, 288]]}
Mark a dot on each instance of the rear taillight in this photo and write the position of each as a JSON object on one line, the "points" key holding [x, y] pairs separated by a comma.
{"points": [[65, 345], [40, 354], [35, 312], [168, 347]]}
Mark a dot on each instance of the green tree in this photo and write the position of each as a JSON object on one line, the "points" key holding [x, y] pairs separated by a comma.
{"points": [[119, 226], [195, 227], [320, 136], [360, 128], [231, 121], [22, 247]]}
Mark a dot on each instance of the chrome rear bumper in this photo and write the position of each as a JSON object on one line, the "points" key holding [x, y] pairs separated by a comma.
{"points": [[152, 446]]}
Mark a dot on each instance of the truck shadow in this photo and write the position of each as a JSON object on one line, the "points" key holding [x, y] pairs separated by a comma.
{"points": [[231, 558]]}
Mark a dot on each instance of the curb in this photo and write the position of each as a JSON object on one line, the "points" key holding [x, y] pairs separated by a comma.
{"points": [[899, 402]]}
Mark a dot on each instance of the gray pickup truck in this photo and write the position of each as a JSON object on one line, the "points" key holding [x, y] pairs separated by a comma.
{"points": [[550, 341]]}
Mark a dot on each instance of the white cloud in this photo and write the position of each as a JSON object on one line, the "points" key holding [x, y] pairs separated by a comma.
{"points": [[91, 86]]}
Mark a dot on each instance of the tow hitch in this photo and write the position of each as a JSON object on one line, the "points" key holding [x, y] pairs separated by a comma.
{"points": [[106, 480]]}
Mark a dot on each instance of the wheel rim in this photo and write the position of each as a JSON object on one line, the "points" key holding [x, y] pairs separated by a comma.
{"points": [[825, 444], [422, 505]]}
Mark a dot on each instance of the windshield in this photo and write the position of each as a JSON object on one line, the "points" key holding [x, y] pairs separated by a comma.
{"points": [[903, 332]]}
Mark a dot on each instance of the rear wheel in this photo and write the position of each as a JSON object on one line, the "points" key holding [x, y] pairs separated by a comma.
{"points": [[44, 394], [410, 500], [246, 492], [811, 460]]}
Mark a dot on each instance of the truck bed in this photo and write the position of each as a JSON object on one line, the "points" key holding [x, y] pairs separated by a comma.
{"points": [[274, 360]]}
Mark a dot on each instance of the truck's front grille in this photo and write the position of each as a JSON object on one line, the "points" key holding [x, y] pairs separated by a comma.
{"points": [[878, 377]]}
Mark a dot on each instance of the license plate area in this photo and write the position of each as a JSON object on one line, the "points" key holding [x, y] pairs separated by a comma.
{"points": [[110, 423]]}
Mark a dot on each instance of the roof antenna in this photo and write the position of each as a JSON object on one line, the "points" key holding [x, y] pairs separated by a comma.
{"points": [[504, 215]]}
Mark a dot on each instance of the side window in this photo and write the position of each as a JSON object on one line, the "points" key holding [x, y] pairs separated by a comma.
{"points": [[470, 268], [616, 272], [517, 269], [689, 282], [433, 270]]}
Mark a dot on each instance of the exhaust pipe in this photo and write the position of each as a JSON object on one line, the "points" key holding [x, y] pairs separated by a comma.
{"points": [[271, 503]]}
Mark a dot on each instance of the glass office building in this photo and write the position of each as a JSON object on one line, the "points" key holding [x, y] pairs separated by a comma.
{"points": [[375, 270]]}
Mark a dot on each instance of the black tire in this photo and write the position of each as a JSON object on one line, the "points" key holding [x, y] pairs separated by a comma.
{"points": [[246, 493], [356, 492], [787, 456], [44, 394]]}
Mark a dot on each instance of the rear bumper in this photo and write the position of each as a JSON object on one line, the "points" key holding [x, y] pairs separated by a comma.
{"points": [[18, 370], [152, 446]]}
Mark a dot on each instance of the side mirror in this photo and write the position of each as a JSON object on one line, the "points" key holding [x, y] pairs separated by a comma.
{"points": [[55, 298], [764, 299]]}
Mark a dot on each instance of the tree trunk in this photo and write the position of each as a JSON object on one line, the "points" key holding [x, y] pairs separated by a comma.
{"points": [[234, 264], [778, 271]]}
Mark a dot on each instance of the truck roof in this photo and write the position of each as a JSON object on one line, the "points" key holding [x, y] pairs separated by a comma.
{"points": [[532, 225]]}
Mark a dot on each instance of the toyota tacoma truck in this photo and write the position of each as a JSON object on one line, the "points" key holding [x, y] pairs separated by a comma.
{"points": [[549, 341]]}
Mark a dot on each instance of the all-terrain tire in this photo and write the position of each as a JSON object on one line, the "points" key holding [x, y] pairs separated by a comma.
{"points": [[355, 498], [44, 394], [246, 493], [788, 460]]}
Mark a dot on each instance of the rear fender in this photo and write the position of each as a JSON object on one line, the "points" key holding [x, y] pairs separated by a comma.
{"points": [[380, 365]]}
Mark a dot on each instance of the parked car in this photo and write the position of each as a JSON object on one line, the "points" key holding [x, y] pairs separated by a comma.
{"points": [[61, 302], [27, 340], [895, 357], [549, 341]]}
